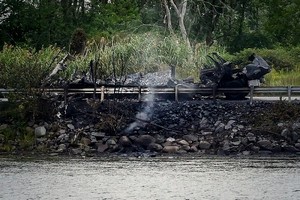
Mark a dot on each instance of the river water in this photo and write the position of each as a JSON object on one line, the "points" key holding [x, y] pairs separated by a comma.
{"points": [[150, 178]]}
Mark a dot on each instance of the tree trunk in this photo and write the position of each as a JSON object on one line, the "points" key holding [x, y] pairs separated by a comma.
{"points": [[181, 13], [168, 16]]}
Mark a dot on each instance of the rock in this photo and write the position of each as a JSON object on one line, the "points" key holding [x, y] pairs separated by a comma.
{"points": [[297, 145], [124, 141], [183, 142], [71, 126], [170, 149], [102, 147], [40, 131], [246, 153], [170, 139], [62, 148], [296, 126], [111, 142], [76, 151], [145, 140], [204, 145], [155, 147], [193, 148], [229, 124], [220, 128], [98, 135], [285, 133], [85, 141], [185, 148], [192, 138], [290, 148], [236, 143], [159, 138], [251, 137], [266, 144], [295, 136]]}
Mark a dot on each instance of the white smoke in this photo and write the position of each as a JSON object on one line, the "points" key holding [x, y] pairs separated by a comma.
{"points": [[144, 115]]}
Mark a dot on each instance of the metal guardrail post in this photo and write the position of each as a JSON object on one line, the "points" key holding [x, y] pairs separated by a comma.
{"points": [[140, 93], [251, 94], [289, 93], [102, 94], [176, 92]]}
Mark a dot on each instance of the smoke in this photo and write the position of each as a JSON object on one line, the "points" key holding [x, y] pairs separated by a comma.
{"points": [[144, 115]]}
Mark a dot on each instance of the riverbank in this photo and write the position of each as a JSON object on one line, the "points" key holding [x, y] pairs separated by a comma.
{"points": [[148, 129]]}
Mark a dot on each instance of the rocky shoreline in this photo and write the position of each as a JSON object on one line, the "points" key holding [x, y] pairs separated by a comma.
{"points": [[142, 129]]}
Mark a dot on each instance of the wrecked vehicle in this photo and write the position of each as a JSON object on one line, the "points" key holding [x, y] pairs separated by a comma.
{"points": [[223, 75]]}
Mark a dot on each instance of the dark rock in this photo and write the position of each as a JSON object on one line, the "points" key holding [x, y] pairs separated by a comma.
{"points": [[124, 141], [192, 138], [145, 140], [265, 144], [204, 145], [102, 147], [85, 141], [155, 147], [170, 149], [40, 131]]}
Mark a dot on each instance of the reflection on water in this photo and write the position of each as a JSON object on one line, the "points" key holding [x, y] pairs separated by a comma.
{"points": [[155, 178]]}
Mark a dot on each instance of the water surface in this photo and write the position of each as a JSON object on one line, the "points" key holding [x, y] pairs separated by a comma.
{"points": [[150, 178]]}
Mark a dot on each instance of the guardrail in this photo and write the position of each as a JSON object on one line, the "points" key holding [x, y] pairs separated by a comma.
{"points": [[287, 91]]}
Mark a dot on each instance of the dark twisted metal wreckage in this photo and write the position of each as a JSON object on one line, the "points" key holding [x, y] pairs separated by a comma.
{"points": [[219, 74]]}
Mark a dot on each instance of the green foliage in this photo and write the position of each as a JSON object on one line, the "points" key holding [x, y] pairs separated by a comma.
{"points": [[17, 135]]}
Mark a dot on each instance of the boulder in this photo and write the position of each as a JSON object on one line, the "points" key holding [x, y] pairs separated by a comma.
{"points": [[155, 147], [85, 141], [40, 131], [170, 149], [102, 147], [265, 144], [190, 138], [124, 141], [145, 140], [183, 142], [204, 145]]}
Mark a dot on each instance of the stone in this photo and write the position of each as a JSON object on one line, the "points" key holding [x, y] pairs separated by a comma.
{"points": [[185, 147], [251, 137], [220, 128], [229, 124], [297, 145], [246, 153], [62, 148], [124, 141], [285, 133], [190, 137], [111, 142], [193, 148], [266, 144], [76, 151], [170, 149], [71, 126], [170, 139], [145, 140], [204, 145], [40, 131], [85, 141], [236, 143], [102, 148], [296, 126], [183, 142], [98, 135], [155, 147]]}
